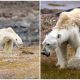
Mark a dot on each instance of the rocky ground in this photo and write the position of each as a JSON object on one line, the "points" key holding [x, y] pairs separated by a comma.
{"points": [[48, 68], [21, 64]]}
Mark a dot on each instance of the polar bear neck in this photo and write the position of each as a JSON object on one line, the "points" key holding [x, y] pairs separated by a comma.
{"points": [[10, 36], [53, 33]]}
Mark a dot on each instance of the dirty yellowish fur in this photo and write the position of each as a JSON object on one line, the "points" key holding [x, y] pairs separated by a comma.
{"points": [[8, 46], [69, 19]]}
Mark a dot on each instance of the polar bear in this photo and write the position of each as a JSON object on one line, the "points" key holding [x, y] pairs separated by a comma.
{"points": [[65, 32], [7, 37]]}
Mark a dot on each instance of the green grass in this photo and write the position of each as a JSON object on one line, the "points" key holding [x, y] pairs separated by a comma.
{"points": [[50, 71], [52, 4]]}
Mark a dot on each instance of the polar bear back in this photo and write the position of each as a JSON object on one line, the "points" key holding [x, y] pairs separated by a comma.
{"points": [[9, 29], [67, 19], [6, 32]]}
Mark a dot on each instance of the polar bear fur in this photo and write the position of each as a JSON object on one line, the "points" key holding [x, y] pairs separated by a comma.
{"points": [[7, 37], [67, 27], [69, 18]]}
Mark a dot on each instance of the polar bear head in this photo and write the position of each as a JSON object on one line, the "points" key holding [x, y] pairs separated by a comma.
{"points": [[55, 38], [17, 40]]}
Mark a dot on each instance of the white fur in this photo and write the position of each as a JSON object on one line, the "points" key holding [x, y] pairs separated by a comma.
{"points": [[7, 38], [57, 44], [71, 35], [68, 27]]}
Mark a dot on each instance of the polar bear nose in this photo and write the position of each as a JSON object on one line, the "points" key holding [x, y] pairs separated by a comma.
{"points": [[45, 53], [20, 45]]}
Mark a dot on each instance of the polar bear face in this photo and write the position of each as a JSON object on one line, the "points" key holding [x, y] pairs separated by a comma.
{"points": [[18, 41], [55, 38]]}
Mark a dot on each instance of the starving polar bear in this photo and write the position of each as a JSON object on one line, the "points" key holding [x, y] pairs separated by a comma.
{"points": [[7, 37], [65, 32]]}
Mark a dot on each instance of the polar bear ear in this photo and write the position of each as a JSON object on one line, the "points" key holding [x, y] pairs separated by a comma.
{"points": [[63, 18]]}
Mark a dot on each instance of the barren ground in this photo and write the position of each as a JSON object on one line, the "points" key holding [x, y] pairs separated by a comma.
{"points": [[23, 63]]}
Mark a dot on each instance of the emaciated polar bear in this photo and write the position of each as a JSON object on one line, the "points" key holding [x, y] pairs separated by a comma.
{"points": [[65, 32], [7, 37]]}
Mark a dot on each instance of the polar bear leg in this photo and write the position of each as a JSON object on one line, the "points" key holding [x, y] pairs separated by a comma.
{"points": [[74, 60], [8, 46], [61, 55], [77, 55], [61, 58]]}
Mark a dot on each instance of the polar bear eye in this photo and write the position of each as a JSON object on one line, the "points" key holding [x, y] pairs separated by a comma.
{"points": [[58, 36], [16, 39], [47, 44]]}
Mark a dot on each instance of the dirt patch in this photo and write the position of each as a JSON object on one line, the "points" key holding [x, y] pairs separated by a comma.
{"points": [[20, 65]]}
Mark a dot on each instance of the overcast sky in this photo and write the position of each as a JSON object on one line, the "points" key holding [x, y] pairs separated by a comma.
{"points": [[68, 4]]}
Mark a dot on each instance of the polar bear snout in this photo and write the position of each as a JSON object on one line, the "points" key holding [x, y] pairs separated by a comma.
{"points": [[18, 41], [20, 45], [45, 52]]}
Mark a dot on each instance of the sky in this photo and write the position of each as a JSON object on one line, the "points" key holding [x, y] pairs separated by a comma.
{"points": [[68, 4]]}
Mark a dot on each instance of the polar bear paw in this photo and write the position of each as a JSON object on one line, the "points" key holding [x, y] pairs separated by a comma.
{"points": [[63, 66], [57, 64]]}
